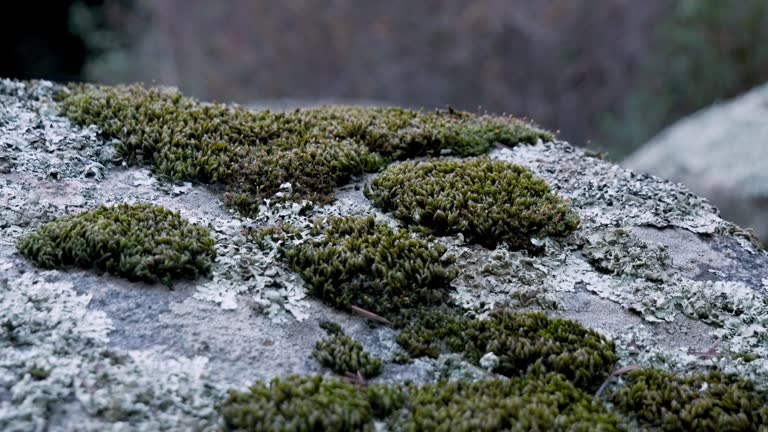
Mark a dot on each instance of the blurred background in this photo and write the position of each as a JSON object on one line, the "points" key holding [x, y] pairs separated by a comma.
{"points": [[606, 74]]}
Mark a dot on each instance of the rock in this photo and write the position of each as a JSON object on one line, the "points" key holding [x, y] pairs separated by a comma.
{"points": [[721, 153], [651, 266]]}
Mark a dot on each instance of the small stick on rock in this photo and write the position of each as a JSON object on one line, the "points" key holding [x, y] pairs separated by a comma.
{"points": [[356, 378], [618, 372], [709, 352], [370, 315]]}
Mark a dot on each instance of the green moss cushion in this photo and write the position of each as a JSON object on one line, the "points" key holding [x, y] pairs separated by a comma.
{"points": [[702, 402], [253, 153], [521, 342], [344, 355], [544, 402], [138, 242], [487, 201], [541, 403], [359, 262], [298, 404]]}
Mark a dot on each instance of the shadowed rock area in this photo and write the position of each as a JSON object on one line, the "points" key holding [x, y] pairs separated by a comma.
{"points": [[651, 266]]}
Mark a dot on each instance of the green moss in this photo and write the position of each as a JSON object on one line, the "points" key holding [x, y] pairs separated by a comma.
{"points": [[488, 201], [38, 373], [331, 328], [386, 399], [344, 355], [253, 153], [298, 404], [542, 402], [746, 357], [358, 262], [521, 341], [138, 242], [701, 402]]}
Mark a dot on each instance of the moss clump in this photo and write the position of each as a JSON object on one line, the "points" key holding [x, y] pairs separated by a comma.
{"points": [[701, 402], [343, 355], [253, 153], [298, 404], [521, 341], [331, 328], [138, 242], [542, 402], [488, 201], [358, 262], [38, 373]]}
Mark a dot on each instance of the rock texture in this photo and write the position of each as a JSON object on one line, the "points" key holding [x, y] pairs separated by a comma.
{"points": [[652, 266], [720, 153]]}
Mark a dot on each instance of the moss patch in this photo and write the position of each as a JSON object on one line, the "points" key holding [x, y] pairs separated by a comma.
{"points": [[343, 355], [545, 402], [522, 342], [488, 201], [358, 262], [298, 404], [701, 402], [542, 403], [138, 242], [253, 153]]}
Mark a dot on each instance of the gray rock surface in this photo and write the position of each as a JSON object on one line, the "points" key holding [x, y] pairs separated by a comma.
{"points": [[652, 266], [721, 153]]}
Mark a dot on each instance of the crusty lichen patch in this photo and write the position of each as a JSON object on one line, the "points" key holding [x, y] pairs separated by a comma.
{"points": [[50, 326], [139, 242], [489, 202], [253, 153], [617, 252]]}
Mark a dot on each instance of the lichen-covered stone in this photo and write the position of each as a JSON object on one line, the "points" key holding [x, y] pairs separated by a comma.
{"points": [[617, 252], [489, 202], [701, 402], [159, 359], [359, 262], [139, 242]]}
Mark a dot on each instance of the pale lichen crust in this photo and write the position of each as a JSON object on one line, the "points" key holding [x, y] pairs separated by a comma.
{"points": [[139, 242], [489, 202], [253, 153]]}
